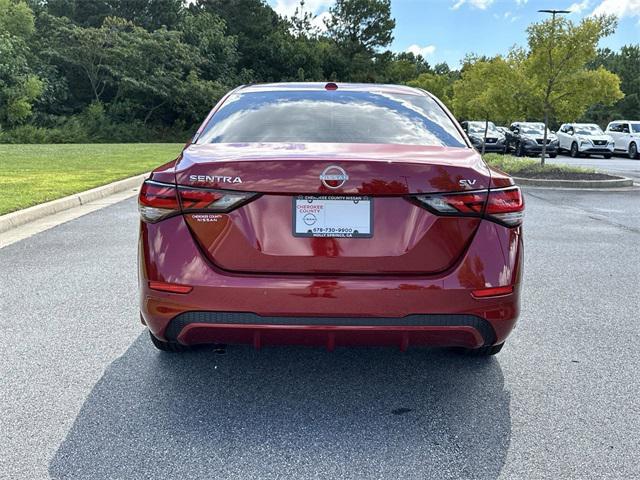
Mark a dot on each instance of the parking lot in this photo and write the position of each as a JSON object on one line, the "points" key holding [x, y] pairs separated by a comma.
{"points": [[85, 395], [618, 165]]}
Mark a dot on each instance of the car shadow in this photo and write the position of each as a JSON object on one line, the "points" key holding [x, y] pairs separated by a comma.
{"points": [[289, 412]]}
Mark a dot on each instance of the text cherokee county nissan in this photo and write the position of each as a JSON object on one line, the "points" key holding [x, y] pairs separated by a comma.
{"points": [[330, 214]]}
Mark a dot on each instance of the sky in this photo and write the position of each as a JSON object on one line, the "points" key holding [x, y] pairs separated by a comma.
{"points": [[446, 30]]}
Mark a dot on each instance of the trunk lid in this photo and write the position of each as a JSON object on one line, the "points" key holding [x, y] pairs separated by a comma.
{"points": [[260, 236]]}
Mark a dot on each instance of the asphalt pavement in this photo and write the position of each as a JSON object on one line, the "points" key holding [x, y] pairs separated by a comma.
{"points": [[618, 165], [85, 395]]}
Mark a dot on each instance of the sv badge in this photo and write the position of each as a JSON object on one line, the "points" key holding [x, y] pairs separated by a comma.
{"points": [[467, 183]]}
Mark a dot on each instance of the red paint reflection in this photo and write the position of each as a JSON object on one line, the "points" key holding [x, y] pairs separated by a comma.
{"points": [[326, 247]]}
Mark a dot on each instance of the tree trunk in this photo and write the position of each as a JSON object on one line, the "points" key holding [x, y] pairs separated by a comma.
{"points": [[484, 139], [544, 138]]}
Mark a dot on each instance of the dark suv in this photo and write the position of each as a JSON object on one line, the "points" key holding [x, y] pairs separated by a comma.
{"points": [[526, 138], [495, 141]]}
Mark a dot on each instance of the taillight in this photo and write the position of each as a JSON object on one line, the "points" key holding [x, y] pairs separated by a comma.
{"points": [[157, 201], [504, 206], [221, 201], [456, 204], [160, 200]]}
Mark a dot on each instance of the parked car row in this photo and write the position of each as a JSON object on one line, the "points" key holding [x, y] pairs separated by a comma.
{"points": [[578, 139]]}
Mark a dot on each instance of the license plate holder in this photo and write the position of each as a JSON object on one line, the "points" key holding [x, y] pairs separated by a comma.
{"points": [[332, 216]]}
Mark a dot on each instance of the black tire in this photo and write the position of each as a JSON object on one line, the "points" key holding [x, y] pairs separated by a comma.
{"points": [[633, 151], [553, 155], [484, 351], [173, 347], [608, 156], [574, 152]]}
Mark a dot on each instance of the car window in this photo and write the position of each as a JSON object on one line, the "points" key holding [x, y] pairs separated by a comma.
{"points": [[478, 127], [614, 127], [331, 117], [532, 129], [588, 130], [635, 127]]}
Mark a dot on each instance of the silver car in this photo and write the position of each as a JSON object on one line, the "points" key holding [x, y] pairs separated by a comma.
{"points": [[584, 139]]}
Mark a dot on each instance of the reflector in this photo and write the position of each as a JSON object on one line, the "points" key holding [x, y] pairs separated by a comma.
{"points": [[170, 287], [492, 291]]}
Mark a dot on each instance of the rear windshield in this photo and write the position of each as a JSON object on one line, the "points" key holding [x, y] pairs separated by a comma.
{"points": [[331, 117]]}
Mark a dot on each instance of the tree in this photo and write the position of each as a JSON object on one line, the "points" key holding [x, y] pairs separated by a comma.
{"points": [[82, 52], [439, 85], [302, 22], [261, 35], [19, 86], [403, 67], [207, 33], [558, 80], [625, 64], [361, 26], [487, 90], [154, 73], [150, 14]]}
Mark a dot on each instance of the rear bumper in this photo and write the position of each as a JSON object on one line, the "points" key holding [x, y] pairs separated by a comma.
{"points": [[225, 307], [247, 328]]}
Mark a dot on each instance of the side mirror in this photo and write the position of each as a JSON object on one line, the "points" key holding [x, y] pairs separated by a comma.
{"points": [[570, 132], [516, 130]]}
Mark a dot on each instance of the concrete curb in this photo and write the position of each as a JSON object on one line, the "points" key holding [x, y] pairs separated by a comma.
{"points": [[15, 219], [589, 184]]}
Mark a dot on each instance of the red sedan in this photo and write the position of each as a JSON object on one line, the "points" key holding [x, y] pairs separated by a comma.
{"points": [[330, 214]]}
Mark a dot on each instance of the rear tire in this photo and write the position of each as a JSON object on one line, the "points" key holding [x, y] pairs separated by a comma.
{"points": [[574, 150], [173, 347], [484, 351], [553, 155], [633, 151], [607, 157]]}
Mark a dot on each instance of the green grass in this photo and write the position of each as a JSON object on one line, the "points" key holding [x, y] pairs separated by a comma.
{"points": [[33, 174], [518, 166]]}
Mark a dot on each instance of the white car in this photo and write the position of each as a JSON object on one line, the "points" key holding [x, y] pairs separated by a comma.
{"points": [[584, 139], [626, 135]]}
